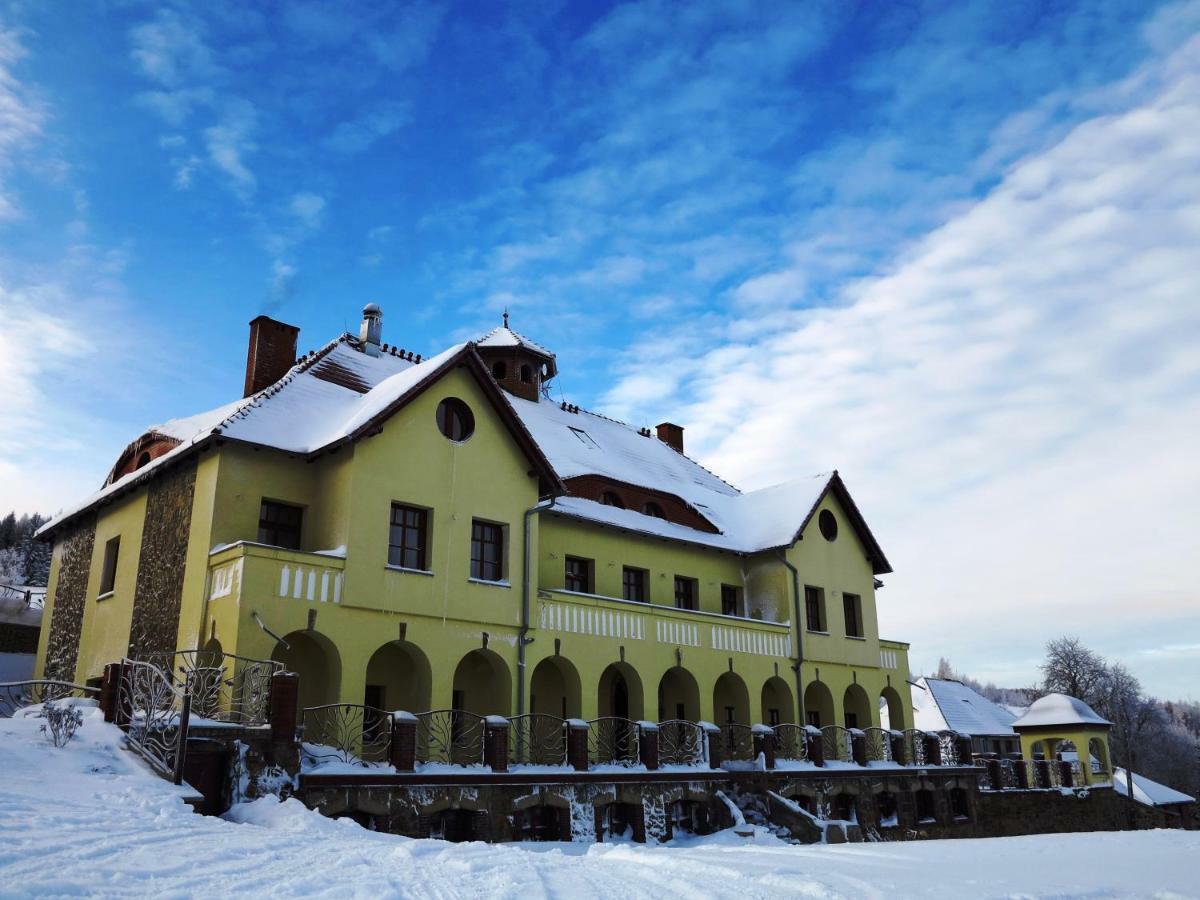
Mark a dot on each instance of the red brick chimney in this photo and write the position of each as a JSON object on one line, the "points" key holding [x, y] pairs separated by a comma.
{"points": [[671, 435], [272, 352]]}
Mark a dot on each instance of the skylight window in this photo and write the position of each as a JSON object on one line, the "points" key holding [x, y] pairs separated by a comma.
{"points": [[584, 437]]}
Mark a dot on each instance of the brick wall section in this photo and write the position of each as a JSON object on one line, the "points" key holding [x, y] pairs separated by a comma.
{"points": [[592, 487], [70, 598], [159, 589]]}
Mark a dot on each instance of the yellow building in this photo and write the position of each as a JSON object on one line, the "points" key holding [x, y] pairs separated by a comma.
{"points": [[417, 533]]}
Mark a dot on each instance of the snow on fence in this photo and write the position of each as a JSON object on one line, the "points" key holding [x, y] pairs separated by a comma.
{"points": [[738, 741], [224, 687], [346, 732], [16, 695], [681, 743], [154, 712], [612, 741], [791, 741], [537, 739]]}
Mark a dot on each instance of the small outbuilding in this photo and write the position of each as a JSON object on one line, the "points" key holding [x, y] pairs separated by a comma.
{"points": [[1056, 720]]}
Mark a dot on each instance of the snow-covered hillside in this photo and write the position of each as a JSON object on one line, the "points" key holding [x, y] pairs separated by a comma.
{"points": [[89, 820]]}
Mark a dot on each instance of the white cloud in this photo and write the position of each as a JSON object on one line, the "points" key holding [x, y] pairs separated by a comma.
{"points": [[1015, 404], [230, 141], [308, 208], [22, 116], [170, 50], [356, 135]]}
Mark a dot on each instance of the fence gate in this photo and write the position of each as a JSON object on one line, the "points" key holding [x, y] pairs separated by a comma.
{"points": [[154, 713]]}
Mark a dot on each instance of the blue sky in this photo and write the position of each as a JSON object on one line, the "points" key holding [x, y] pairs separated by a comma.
{"points": [[943, 247]]}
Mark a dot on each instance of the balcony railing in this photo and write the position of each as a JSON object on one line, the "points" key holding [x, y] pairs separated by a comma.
{"points": [[258, 570]]}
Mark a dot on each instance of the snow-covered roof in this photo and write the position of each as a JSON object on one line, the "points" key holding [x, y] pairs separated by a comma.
{"points": [[1059, 709], [942, 704], [1147, 792], [334, 394], [506, 337]]}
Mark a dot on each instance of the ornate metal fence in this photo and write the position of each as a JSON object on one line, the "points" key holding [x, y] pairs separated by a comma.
{"points": [[680, 743], [836, 741], [224, 687], [948, 742], [450, 736], [612, 741], [346, 732], [737, 741], [791, 741], [537, 739], [878, 744], [154, 712], [914, 747], [16, 695]]}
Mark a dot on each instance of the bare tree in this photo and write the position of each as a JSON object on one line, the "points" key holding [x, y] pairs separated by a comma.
{"points": [[1071, 668]]}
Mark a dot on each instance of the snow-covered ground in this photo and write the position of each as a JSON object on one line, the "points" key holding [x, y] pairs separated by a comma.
{"points": [[89, 820]]}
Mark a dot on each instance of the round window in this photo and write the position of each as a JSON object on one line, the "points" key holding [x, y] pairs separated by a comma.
{"points": [[455, 420], [828, 524]]}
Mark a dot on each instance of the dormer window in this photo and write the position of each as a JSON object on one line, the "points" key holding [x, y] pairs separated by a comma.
{"points": [[653, 509], [143, 459], [527, 374], [499, 371], [611, 498]]}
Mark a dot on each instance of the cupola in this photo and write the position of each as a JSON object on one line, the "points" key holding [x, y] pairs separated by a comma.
{"points": [[519, 365]]}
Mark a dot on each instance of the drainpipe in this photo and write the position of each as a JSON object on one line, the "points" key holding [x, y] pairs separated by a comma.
{"points": [[522, 640], [799, 645]]}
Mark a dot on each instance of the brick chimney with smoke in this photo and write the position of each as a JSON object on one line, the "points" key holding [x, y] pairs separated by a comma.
{"points": [[671, 435], [272, 352]]}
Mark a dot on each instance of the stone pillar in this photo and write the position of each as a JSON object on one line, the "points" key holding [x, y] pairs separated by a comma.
{"points": [[712, 743], [577, 744], [858, 747], [1021, 771], [966, 752], [1068, 777], [764, 745], [648, 744], [402, 752], [109, 689], [816, 745], [933, 749], [898, 749], [495, 743], [995, 774], [284, 698], [1042, 771]]}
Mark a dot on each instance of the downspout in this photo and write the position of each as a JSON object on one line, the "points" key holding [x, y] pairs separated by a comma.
{"points": [[522, 640], [799, 645]]}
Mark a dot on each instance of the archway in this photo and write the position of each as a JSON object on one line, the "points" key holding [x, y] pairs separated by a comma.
{"points": [[891, 706], [856, 707], [399, 678], [554, 689], [678, 696], [620, 692], [315, 659], [731, 700], [777, 704], [482, 685], [818, 704], [1096, 766]]}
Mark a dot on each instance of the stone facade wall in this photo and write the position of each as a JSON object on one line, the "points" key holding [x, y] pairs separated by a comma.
{"points": [[159, 590], [1007, 813], [70, 598]]}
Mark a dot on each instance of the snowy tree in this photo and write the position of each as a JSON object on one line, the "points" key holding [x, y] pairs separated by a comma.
{"points": [[1072, 669]]}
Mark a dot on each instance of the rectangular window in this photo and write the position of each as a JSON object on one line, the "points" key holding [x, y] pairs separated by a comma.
{"points": [[633, 585], [814, 718], [408, 537], [685, 593], [731, 600], [108, 575], [852, 604], [579, 575], [487, 551], [851, 720], [773, 717], [279, 524], [814, 607]]}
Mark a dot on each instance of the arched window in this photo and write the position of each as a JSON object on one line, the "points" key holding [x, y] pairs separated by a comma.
{"points": [[610, 498], [527, 373], [143, 459], [455, 420], [499, 370], [653, 509]]}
